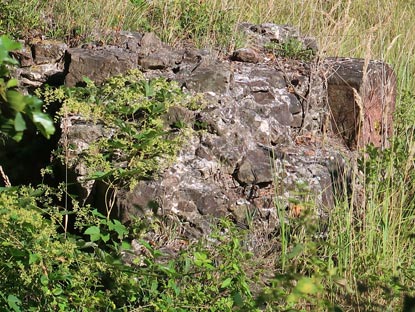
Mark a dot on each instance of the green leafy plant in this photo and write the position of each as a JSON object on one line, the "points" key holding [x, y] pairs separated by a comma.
{"points": [[44, 269], [39, 268], [134, 112], [16, 108], [200, 277]]}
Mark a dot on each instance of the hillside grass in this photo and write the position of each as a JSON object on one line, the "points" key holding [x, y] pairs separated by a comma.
{"points": [[378, 29], [366, 261]]}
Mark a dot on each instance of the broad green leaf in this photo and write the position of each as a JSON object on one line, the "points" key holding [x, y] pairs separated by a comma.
{"points": [[238, 299], [226, 283], [6, 59], [154, 286], [43, 123], [17, 136], [105, 237], [118, 227], [202, 260], [96, 213], [57, 291], [200, 256], [173, 286], [148, 89], [12, 83], [44, 280], [94, 233], [16, 100], [33, 102], [92, 230], [19, 123], [168, 270], [14, 303], [9, 44], [126, 246], [33, 258]]}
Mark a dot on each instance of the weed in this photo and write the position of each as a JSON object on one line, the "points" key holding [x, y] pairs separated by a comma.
{"points": [[39, 270], [292, 48]]}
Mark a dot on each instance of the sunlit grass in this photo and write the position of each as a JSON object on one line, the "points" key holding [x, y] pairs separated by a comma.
{"points": [[370, 238]]}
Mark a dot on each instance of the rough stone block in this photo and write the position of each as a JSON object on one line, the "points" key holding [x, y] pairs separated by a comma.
{"points": [[48, 51], [97, 64], [154, 61], [210, 78], [361, 97], [245, 55], [24, 56]]}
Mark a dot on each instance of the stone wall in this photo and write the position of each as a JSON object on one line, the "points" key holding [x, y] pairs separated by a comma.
{"points": [[280, 131]]}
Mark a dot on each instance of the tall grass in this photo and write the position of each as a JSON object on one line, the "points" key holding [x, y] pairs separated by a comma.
{"points": [[370, 239], [380, 29]]}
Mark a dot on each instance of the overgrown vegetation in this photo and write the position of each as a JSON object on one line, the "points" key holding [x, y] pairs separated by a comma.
{"points": [[42, 269], [364, 263], [136, 138], [16, 108], [382, 31]]}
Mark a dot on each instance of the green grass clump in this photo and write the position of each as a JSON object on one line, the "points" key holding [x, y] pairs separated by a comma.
{"points": [[292, 49]]}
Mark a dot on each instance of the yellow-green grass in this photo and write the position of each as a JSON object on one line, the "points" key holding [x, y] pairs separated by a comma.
{"points": [[378, 29], [370, 245]]}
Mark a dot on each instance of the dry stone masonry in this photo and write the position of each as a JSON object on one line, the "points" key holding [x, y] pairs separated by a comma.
{"points": [[278, 131]]}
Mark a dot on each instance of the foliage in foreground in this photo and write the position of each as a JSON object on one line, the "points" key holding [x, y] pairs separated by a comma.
{"points": [[16, 108], [43, 269], [363, 261], [39, 268]]}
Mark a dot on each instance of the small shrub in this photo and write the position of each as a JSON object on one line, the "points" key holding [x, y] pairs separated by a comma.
{"points": [[209, 275], [43, 269], [133, 110], [40, 269]]}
